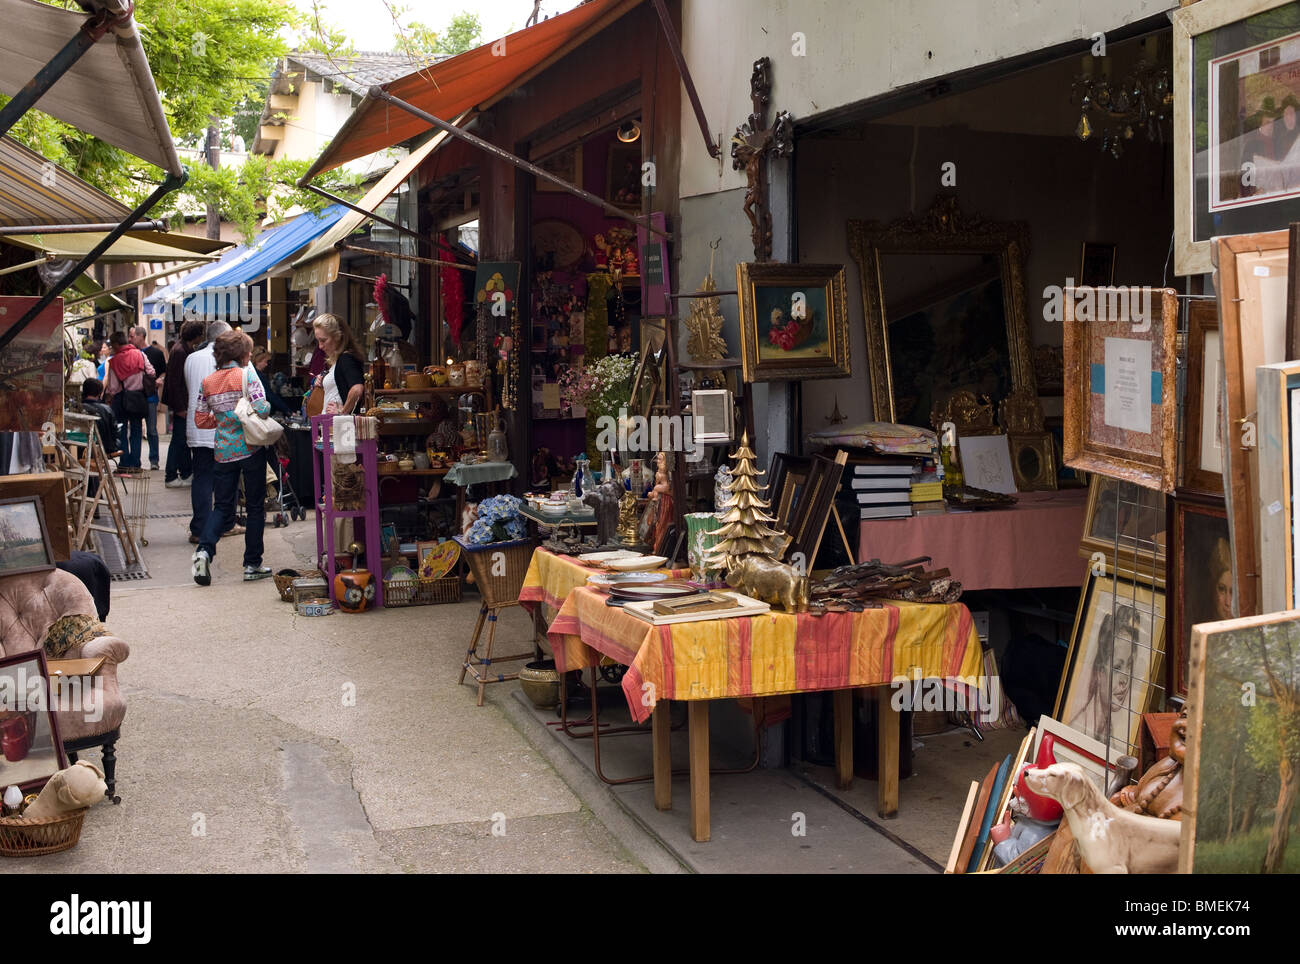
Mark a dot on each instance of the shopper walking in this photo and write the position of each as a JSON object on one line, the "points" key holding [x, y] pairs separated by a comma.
{"points": [[234, 458], [139, 338], [175, 395], [198, 366], [124, 385]]}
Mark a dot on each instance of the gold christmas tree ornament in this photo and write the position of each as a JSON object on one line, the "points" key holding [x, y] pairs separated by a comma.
{"points": [[744, 530]]}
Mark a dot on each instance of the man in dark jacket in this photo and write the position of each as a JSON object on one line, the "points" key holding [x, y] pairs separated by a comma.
{"points": [[176, 396]]}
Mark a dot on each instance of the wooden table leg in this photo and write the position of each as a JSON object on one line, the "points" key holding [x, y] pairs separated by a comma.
{"points": [[887, 727], [661, 730], [843, 738], [698, 722]]}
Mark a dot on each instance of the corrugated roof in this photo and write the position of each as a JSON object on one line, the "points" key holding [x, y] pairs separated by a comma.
{"points": [[359, 73]]}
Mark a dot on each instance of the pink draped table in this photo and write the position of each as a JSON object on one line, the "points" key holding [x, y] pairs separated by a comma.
{"points": [[1033, 545]]}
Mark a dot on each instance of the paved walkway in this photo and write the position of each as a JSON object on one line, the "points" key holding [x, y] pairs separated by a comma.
{"points": [[257, 740]]}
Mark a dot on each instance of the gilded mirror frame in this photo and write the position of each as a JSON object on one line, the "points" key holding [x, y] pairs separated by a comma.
{"points": [[942, 229]]}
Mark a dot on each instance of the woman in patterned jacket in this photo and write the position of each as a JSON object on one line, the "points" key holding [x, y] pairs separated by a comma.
{"points": [[233, 458]]}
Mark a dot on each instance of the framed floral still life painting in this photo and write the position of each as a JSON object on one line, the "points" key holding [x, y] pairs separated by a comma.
{"points": [[1116, 654], [1121, 383], [793, 321]]}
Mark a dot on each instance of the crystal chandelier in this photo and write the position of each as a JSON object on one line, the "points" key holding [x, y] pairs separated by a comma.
{"points": [[1142, 100]]}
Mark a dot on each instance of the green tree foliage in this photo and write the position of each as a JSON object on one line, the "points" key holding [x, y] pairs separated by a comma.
{"points": [[418, 40]]}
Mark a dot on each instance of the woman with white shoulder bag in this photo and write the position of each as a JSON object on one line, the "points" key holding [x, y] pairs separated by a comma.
{"points": [[233, 402]]}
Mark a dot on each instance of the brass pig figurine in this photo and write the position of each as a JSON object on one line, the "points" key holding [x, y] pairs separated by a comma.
{"points": [[770, 581]]}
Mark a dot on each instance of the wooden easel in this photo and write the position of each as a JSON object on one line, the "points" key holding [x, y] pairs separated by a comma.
{"points": [[81, 505]]}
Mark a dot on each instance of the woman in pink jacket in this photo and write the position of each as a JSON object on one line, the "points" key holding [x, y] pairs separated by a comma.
{"points": [[124, 386]]}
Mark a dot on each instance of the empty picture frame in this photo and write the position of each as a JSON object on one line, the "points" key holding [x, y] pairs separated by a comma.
{"points": [[1260, 655], [1278, 394], [785, 479], [814, 507], [1251, 279], [1202, 436], [1121, 383]]}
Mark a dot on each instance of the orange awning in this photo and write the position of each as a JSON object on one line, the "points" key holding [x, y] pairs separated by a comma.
{"points": [[473, 80]]}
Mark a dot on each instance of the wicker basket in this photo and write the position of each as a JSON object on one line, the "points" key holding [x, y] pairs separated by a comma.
{"points": [[284, 583], [46, 835], [421, 592], [499, 584]]}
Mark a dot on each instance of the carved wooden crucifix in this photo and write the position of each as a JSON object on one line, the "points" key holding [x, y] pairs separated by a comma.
{"points": [[751, 146]]}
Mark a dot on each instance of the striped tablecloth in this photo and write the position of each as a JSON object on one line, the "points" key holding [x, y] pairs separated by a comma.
{"points": [[772, 654], [551, 577]]}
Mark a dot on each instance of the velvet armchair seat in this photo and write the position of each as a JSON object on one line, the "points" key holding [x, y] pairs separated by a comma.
{"points": [[29, 605]]}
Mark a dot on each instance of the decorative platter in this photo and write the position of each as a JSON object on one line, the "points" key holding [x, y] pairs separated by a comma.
{"points": [[601, 557], [604, 580], [635, 564]]}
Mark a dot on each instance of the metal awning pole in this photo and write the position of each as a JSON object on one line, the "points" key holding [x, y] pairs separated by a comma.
{"points": [[187, 266], [675, 45], [90, 34], [612, 210], [400, 228], [28, 264], [380, 253], [169, 184], [152, 224]]}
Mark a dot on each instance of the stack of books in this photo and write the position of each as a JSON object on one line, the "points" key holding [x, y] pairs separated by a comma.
{"points": [[882, 487], [927, 497]]}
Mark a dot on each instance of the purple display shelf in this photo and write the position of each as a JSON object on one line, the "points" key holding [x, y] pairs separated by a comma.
{"points": [[322, 465]]}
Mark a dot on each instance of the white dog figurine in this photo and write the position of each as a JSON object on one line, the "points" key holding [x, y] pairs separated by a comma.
{"points": [[1110, 840]]}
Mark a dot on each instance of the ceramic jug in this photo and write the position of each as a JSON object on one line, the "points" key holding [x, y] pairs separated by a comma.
{"points": [[16, 738], [497, 449]]}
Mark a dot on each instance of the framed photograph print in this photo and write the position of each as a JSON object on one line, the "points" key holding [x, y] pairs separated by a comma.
{"points": [[1202, 436], [1128, 517], [1251, 279], [1278, 397], [793, 321], [1121, 383], [1200, 578], [33, 751], [24, 541], [1236, 97], [1230, 822], [1115, 655]]}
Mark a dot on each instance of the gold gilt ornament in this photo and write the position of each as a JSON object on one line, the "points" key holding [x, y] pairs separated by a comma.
{"points": [[743, 531], [704, 341]]}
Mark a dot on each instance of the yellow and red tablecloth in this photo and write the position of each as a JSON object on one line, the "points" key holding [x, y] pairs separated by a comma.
{"points": [[551, 577], [768, 655]]}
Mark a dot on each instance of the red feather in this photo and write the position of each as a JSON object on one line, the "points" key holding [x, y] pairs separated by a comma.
{"points": [[453, 294], [381, 289]]}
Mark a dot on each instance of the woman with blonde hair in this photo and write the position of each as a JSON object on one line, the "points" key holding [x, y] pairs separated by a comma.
{"points": [[344, 381]]}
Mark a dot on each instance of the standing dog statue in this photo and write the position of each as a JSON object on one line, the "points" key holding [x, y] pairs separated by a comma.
{"points": [[1110, 840]]}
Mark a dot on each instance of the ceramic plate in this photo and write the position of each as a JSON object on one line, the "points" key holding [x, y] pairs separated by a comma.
{"points": [[635, 564], [605, 579], [666, 591], [606, 556]]}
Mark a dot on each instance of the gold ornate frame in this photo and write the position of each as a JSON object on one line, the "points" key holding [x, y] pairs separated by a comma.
{"points": [[943, 229], [830, 278]]}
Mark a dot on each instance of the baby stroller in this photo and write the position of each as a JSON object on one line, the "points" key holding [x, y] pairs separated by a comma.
{"points": [[284, 505]]}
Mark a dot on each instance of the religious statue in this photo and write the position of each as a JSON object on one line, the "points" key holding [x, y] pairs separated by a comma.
{"points": [[751, 146], [627, 519], [662, 496], [1160, 791], [604, 499]]}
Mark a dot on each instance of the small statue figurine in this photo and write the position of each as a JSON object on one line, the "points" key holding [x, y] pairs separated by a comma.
{"points": [[627, 519], [604, 499], [602, 251], [1160, 791], [763, 578], [722, 487], [662, 494]]}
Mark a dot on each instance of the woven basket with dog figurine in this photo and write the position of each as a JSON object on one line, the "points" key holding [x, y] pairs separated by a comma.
{"points": [[20, 837]]}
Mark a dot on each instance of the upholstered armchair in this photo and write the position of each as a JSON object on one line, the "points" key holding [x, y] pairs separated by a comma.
{"points": [[29, 605]]}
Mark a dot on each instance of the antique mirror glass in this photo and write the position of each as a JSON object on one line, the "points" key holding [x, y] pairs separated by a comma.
{"points": [[944, 307]]}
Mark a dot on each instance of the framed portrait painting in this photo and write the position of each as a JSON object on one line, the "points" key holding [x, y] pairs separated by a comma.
{"points": [[1116, 652], [1128, 517], [1121, 383], [793, 321], [1236, 87], [1200, 578]]}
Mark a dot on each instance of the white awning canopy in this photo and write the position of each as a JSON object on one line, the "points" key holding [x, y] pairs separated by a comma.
{"points": [[109, 92]]}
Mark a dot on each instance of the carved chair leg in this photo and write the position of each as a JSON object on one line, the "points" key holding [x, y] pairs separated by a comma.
{"points": [[110, 769]]}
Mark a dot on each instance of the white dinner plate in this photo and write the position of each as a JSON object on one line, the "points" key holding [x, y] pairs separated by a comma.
{"points": [[635, 565], [609, 555], [625, 578]]}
